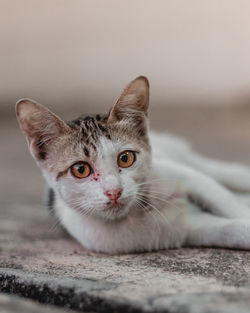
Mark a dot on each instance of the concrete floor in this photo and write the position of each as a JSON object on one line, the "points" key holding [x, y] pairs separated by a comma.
{"points": [[39, 261]]}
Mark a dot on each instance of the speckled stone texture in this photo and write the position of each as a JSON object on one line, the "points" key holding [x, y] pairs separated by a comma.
{"points": [[13, 304], [38, 260]]}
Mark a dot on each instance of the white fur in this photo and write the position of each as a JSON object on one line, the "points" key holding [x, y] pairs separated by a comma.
{"points": [[124, 235], [226, 224]]}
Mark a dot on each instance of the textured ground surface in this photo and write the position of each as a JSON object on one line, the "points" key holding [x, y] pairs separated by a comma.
{"points": [[39, 261], [13, 304]]}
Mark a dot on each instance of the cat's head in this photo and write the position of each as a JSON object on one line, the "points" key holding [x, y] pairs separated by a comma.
{"points": [[96, 164]]}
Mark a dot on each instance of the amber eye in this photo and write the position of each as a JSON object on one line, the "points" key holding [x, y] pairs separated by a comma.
{"points": [[81, 170], [126, 158]]}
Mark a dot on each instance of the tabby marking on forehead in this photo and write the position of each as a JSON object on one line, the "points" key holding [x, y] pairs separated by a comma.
{"points": [[88, 130], [86, 151], [91, 126], [94, 126]]}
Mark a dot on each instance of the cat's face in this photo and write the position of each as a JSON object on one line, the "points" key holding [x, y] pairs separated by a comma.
{"points": [[95, 163]]}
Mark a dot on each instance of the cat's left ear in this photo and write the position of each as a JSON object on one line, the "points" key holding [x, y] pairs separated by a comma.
{"points": [[133, 101]]}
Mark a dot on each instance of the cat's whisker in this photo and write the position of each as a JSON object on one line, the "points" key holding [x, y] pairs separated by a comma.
{"points": [[167, 193], [167, 196], [161, 181], [88, 209], [153, 207], [57, 222], [167, 189], [154, 186], [148, 211], [54, 226], [168, 201], [83, 203], [83, 211]]}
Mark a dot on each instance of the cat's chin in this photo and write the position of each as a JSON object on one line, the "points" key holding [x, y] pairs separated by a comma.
{"points": [[114, 212]]}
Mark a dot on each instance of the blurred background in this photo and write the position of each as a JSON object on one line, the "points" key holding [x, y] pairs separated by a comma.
{"points": [[76, 56]]}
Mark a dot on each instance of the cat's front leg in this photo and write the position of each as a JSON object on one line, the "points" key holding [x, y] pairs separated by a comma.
{"points": [[202, 189], [212, 231]]}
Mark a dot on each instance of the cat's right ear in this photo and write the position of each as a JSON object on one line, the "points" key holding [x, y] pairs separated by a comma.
{"points": [[40, 126]]}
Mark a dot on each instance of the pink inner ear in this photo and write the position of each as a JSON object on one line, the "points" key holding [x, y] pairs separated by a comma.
{"points": [[41, 127], [129, 99]]}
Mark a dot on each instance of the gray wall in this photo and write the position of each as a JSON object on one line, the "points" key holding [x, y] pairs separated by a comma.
{"points": [[80, 53]]}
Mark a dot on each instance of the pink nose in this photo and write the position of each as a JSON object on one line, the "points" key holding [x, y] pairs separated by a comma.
{"points": [[114, 194]]}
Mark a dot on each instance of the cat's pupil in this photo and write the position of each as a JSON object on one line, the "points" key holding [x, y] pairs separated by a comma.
{"points": [[124, 158], [81, 169]]}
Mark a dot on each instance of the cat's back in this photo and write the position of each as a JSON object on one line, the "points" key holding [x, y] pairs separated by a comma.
{"points": [[165, 145]]}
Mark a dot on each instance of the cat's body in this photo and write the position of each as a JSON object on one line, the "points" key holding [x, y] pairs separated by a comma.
{"points": [[110, 195]]}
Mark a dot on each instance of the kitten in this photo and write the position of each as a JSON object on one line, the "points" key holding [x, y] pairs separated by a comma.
{"points": [[114, 195]]}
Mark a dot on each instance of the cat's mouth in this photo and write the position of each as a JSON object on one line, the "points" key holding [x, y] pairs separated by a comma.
{"points": [[116, 209], [114, 205]]}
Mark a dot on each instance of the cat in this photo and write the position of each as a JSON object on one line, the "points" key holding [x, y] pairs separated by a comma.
{"points": [[118, 188]]}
